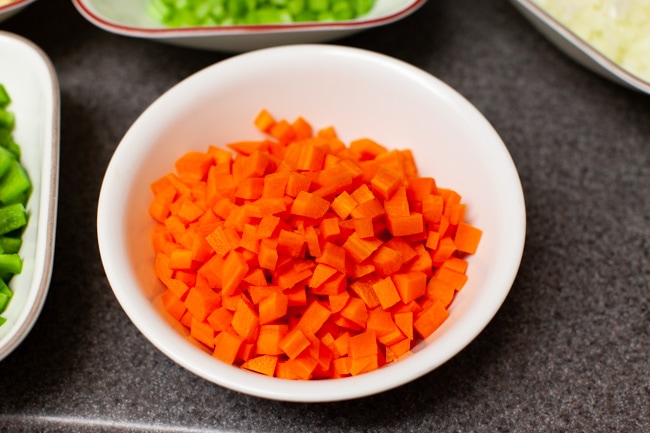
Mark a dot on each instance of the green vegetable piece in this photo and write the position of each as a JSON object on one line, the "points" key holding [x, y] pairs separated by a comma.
{"points": [[270, 15], [318, 5], [7, 119], [295, 7], [236, 8], [11, 263], [5, 296], [12, 217], [7, 158], [5, 99], [363, 6], [342, 10], [159, 10], [10, 244], [14, 184]]}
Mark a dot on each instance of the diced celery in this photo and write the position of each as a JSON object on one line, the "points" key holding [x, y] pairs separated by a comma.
{"points": [[12, 217], [7, 119], [15, 189], [5, 295], [7, 158], [14, 183], [176, 13], [318, 5], [10, 244], [5, 99], [11, 263]]}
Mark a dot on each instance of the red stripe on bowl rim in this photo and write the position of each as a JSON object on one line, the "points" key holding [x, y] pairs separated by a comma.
{"points": [[14, 5]]}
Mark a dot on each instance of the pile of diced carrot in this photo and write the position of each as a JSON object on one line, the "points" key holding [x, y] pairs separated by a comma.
{"points": [[301, 257]]}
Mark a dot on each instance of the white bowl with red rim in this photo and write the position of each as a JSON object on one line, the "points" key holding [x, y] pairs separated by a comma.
{"points": [[360, 94], [130, 18]]}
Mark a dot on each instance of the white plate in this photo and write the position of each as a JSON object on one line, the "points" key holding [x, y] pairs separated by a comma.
{"points": [[9, 10], [361, 94], [32, 84], [130, 18], [577, 48]]}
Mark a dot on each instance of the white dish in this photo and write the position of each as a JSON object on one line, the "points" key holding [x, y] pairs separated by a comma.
{"points": [[9, 10], [130, 18], [360, 93], [31, 82], [577, 48]]}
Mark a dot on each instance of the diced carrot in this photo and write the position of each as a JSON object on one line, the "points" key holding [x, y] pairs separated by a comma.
{"points": [[386, 293], [312, 154], [303, 367], [282, 131], [343, 204], [362, 345], [387, 261], [264, 364], [338, 301], [411, 285], [467, 238], [302, 128], [293, 343], [385, 183], [290, 243], [268, 340], [404, 322], [202, 332], [367, 148], [273, 307], [452, 278], [220, 319], [194, 165], [309, 205], [299, 257], [235, 269], [174, 306], [405, 225], [245, 321], [356, 311], [268, 255], [334, 256], [264, 121], [226, 346], [200, 302], [440, 291]]}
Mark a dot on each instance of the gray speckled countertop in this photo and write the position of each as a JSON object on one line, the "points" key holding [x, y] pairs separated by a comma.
{"points": [[568, 351]]}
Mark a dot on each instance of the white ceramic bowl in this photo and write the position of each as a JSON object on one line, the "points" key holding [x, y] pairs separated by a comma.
{"points": [[130, 18], [360, 93], [31, 81], [577, 48]]}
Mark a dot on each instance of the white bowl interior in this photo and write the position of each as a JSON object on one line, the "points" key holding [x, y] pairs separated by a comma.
{"points": [[361, 94], [31, 81]]}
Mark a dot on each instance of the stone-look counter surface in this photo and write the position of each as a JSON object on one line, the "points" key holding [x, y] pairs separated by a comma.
{"points": [[568, 351]]}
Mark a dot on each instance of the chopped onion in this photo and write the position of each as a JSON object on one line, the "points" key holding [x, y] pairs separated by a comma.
{"points": [[619, 29]]}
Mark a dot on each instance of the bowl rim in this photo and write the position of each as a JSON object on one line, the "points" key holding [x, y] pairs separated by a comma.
{"points": [[258, 385], [198, 31], [46, 230]]}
